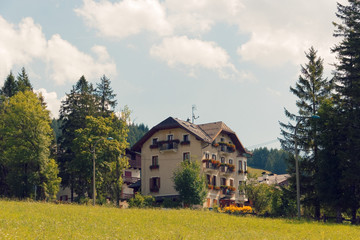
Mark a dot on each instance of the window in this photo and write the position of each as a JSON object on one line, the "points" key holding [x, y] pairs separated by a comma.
{"points": [[208, 179], [155, 161], [214, 157], [214, 202], [222, 160], [170, 137], [154, 184], [186, 138], [223, 181], [222, 140], [245, 166], [240, 166], [214, 180], [231, 161], [127, 174], [186, 156], [207, 155], [232, 182], [154, 141]]}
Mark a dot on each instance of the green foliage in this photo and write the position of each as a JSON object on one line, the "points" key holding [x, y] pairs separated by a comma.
{"points": [[105, 95], [273, 160], [52, 181], [136, 131], [9, 89], [170, 203], [259, 195], [140, 201], [190, 183], [26, 138], [311, 90], [23, 83], [347, 102], [270, 200]]}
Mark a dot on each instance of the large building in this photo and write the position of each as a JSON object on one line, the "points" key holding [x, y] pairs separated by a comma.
{"points": [[223, 159]]}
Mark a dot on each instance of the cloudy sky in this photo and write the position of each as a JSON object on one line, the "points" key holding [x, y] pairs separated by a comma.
{"points": [[234, 59]]}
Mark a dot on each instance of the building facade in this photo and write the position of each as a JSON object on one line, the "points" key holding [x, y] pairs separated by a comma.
{"points": [[223, 159]]}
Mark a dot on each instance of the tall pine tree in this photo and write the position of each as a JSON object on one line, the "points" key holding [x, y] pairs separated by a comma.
{"points": [[79, 104], [311, 89], [106, 96], [10, 86], [347, 77], [23, 82]]}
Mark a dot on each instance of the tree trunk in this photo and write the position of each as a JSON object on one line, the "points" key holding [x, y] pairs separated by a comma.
{"points": [[338, 215]]}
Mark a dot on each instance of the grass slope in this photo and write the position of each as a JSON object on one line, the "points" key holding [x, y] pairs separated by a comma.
{"points": [[257, 172], [29, 220]]}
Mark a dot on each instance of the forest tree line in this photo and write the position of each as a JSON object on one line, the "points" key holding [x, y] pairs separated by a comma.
{"points": [[325, 132], [37, 153]]}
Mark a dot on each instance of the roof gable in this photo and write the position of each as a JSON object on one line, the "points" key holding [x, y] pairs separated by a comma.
{"points": [[169, 123]]}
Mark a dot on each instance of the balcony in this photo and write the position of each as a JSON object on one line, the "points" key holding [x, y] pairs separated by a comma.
{"points": [[169, 146], [152, 167], [225, 148], [130, 180], [211, 166], [228, 191], [227, 169]]}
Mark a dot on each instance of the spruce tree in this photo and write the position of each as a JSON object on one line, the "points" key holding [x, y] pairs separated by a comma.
{"points": [[9, 88], [347, 77], [23, 82], [79, 104], [106, 96], [311, 89]]}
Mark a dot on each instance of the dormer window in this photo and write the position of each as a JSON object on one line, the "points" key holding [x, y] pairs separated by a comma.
{"points": [[186, 138]]}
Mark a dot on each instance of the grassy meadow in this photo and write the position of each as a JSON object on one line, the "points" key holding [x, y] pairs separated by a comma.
{"points": [[32, 220], [257, 172]]}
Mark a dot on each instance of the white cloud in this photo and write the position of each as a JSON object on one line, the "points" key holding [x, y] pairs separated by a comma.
{"points": [[281, 31], [193, 53], [273, 92], [53, 103], [125, 18], [68, 63], [20, 45], [200, 16]]}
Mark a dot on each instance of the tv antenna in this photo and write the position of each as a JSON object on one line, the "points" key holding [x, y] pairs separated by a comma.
{"points": [[193, 114]]}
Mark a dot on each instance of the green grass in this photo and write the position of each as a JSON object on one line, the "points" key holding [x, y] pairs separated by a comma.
{"points": [[31, 220], [257, 172]]}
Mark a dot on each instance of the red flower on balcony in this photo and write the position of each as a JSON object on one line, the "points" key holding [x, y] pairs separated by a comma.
{"points": [[154, 167]]}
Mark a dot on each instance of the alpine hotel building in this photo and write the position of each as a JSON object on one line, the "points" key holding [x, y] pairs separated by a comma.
{"points": [[223, 159]]}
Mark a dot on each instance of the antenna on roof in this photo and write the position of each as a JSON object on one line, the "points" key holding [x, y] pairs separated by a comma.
{"points": [[193, 114]]}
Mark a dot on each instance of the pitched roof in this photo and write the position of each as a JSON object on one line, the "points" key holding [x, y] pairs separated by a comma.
{"points": [[214, 129], [205, 132], [169, 123]]}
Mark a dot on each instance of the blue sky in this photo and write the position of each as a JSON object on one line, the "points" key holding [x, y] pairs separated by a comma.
{"points": [[234, 59]]}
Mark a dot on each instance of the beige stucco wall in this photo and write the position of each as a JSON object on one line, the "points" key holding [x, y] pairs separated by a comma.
{"points": [[168, 160], [235, 176]]}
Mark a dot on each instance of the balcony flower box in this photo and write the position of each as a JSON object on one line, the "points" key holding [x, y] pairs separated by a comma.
{"points": [[217, 188], [231, 167], [154, 167], [211, 187], [153, 146], [185, 143]]}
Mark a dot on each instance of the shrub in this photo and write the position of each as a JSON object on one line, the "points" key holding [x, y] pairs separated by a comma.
{"points": [[140, 201]]}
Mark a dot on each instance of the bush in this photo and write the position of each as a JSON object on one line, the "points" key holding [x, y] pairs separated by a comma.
{"points": [[140, 201], [170, 203], [232, 209]]}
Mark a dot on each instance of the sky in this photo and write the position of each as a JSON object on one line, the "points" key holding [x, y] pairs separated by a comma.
{"points": [[235, 60]]}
